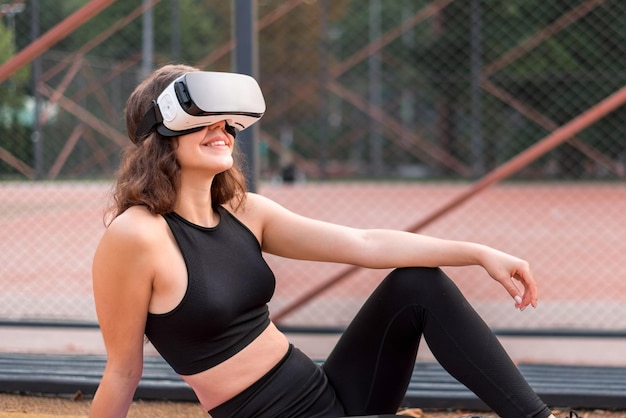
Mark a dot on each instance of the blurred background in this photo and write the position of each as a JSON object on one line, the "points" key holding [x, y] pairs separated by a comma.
{"points": [[481, 120]]}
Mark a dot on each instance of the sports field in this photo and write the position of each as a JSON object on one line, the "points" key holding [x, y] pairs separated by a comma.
{"points": [[572, 234]]}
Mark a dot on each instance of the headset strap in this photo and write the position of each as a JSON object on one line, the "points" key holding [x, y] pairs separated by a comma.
{"points": [[149, 120]]}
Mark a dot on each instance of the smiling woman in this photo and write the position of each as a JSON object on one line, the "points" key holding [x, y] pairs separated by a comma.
{"points": [[181, 262], [206, 151]]}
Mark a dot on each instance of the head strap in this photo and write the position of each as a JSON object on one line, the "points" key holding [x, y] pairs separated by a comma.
{"points": [[149, 120]]}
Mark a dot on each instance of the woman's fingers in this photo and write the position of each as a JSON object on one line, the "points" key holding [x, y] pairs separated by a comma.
{"points": [[529, 297]]}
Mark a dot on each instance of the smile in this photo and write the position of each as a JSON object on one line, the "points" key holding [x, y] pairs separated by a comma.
{"points": [[216, 143]]}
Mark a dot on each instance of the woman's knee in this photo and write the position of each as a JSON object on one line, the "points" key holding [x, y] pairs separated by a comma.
{"points": [[411, 280]]}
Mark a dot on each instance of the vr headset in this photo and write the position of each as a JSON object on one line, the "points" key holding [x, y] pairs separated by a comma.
{"points": [[197, 99]]}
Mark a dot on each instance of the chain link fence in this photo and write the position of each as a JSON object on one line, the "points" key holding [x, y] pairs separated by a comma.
{"points": [[380, 114]]}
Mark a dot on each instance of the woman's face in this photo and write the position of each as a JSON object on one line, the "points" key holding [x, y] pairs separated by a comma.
{"points": [[209, 150]]}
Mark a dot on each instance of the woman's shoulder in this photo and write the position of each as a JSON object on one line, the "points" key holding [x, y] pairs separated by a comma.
{"points": [[257, 201], [253, 205], [253, 212], [136, 216], [138, 225]]}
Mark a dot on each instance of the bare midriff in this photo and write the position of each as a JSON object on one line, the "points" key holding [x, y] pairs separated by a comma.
{"points": [[229, 378]]}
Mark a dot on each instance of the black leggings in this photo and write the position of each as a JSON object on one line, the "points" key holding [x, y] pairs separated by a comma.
{"points": [[372, 363]]}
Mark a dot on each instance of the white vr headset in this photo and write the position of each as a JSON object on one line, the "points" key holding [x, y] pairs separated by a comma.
{"points": [[197, 99]]}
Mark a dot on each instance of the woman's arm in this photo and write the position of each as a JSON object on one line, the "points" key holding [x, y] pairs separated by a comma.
{"points": [[287, 234], [122, 284]]}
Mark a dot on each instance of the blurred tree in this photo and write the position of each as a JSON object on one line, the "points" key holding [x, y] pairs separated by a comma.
{"points": [[14, 107], [563, 74]]}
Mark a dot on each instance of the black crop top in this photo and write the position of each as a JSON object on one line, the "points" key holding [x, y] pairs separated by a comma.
{"points": [[225, 305]]}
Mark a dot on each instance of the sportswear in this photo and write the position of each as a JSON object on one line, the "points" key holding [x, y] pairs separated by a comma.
{"points": [[369, 370], [296, 387], [225, 305]]}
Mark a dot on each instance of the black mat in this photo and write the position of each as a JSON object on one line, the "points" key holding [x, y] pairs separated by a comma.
{"points": [[583, 387]]}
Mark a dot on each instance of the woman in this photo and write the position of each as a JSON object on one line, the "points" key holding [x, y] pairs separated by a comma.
{"points": [[181, 262]]}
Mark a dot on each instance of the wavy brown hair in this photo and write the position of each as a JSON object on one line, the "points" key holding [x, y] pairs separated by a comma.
{"points": [[149, 174]]}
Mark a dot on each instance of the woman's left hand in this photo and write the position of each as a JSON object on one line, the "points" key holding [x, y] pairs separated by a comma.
{"points": [[508, 271]]}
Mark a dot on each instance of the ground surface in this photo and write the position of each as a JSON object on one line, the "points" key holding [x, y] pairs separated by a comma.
{"points": [[22, 406]]}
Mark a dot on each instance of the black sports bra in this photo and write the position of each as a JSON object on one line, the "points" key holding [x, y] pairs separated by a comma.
{"points": [[225, 306]]}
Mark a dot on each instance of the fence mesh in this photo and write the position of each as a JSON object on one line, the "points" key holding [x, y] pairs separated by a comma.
{"points": [[379, 114]]}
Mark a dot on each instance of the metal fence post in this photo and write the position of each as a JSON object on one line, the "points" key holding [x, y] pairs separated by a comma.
{"points": [[245, 61]]}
